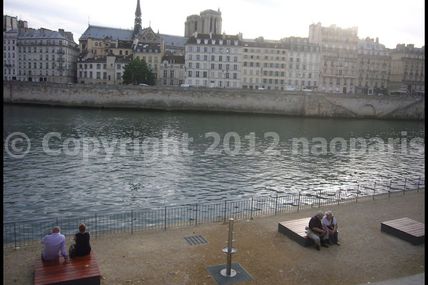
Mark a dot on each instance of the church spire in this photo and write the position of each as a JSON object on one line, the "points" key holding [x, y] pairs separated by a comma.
{"points": [[138, 10], [137, 23]]}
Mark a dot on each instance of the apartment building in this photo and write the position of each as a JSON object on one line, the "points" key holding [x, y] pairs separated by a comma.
{"points": [[45, 55], [407, 70], [172, 70], [213, 61], [374, 64], [339, 57], [104, 70]]}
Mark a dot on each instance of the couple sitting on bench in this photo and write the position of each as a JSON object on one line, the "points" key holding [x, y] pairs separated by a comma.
{"points": [[54, 245], [323, 229]]}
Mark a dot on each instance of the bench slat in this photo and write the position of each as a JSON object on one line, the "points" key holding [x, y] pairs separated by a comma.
{"points": [[80, 270]]}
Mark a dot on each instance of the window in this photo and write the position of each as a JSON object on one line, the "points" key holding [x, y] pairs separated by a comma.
{"points": [[98, 75], [98, 66], [105, 75], [190, 73]]}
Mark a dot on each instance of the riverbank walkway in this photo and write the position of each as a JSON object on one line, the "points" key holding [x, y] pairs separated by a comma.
{"points": [[366, 255]]}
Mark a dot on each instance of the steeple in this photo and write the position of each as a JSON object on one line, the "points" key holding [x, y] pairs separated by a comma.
{"points": [[138, 10], [137, 23]]}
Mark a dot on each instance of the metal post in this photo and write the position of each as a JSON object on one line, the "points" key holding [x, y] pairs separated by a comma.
{"points": [[229, 250], [374, 189], [390, 184], [358, 191], [276, 203], [405, 184], [338, 199], [319, 199], [14, 233], [224, 214], [96, 226], [298, 203], [132, 222], [419, 182], [389, 194], [164, 220], [251, 212], [196, 215]]}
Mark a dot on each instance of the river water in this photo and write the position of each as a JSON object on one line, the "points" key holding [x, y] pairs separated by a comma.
{"points": [[85, 161]]}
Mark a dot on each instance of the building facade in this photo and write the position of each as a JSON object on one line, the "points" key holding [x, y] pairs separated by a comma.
{"points": [[213, 61], [45, 55], [172, 70], [339, 57], [209, 21], [374, 63], [38, 55], [407, 70]]}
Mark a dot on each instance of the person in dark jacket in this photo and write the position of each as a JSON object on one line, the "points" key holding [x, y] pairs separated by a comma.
{"points": [[82, 246]]}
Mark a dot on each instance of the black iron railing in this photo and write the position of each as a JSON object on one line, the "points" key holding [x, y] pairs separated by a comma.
{"points": [[21, 233]]}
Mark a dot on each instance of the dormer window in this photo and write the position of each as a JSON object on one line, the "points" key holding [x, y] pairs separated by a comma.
{"points": [[198, 41], [206, 41], [213, 42], [220, 42]]}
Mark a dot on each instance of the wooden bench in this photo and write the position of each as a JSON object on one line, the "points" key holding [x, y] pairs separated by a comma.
{"points": [[79, 271], [406, 229], [295, 229]]}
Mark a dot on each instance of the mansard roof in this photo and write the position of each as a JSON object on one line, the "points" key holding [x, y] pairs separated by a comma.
{"points": [[43, 34], [170, 40], [98, 32]]}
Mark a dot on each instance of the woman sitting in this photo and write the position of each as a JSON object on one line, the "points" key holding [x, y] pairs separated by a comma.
{"points": [[81, 246]]}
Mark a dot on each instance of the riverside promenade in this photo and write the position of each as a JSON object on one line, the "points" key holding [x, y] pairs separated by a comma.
{"points": [[366, 255]]}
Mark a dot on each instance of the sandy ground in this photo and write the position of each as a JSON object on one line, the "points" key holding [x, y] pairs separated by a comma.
{"points": [[164, 257]]}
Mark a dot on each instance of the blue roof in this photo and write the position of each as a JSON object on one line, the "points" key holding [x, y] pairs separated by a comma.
{"points": [[98, 32], [171, 40], [41, 34]]}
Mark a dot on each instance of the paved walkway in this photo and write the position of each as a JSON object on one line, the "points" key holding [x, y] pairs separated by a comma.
{"points": [[417, 279], [165, 257]]}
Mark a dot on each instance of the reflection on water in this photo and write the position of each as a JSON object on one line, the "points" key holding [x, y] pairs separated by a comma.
{"points": [[162, 168]]}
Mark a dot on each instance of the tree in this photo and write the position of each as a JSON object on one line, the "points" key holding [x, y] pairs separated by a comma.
{"points": [[137, 72]]}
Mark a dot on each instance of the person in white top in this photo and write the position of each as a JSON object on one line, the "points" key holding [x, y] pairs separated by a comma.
{"points": [[329, 224]]}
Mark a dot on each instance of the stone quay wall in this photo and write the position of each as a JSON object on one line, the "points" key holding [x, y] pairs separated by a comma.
{"points": [[308, 104]]}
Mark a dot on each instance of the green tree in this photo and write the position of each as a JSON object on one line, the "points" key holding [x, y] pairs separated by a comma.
{"points": [[137, 72]]}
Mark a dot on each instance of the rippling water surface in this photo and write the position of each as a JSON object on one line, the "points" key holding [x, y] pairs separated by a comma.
{"points": [[162, 168]]}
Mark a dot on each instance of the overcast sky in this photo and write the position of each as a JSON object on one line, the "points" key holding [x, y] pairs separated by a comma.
{"points": [[391, 21]]}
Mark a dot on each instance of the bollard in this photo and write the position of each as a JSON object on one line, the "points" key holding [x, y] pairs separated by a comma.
{"points": [[298, 203], [338, 199], [374, 190], [96, 226], [229, 250], [319, 199]]}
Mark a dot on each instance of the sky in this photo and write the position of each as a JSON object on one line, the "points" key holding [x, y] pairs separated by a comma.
{"points": [[392, 21]]}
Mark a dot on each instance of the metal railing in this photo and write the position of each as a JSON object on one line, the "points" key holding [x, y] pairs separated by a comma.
{"points": [[21, 233]]}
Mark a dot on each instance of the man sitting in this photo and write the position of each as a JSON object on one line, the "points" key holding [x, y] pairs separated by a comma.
{"points": [[316, 232], [54, 244]]}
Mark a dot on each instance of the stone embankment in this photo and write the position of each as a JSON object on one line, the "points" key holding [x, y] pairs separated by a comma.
{"points": [[309, 104]]}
